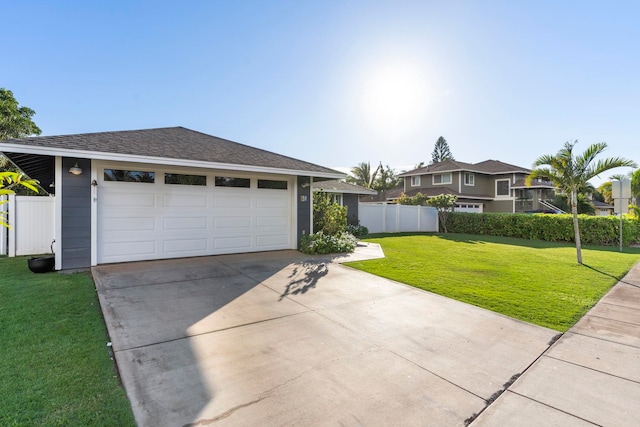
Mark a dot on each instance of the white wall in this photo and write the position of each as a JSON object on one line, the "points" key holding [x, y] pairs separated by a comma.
{"points": [[385, 218], [32, 220]]}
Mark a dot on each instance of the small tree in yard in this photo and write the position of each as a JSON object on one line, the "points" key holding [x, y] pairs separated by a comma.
{"points": [[329, 226], [328, 217], [444, 203], [570, 172]]}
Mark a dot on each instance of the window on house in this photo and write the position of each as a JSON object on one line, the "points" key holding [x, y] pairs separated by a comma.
{"points": [[415, 181], [178, 178], [229, 181], [335, 198], [469, 179], [502, 187], [272, 184], [442, 178], [129, 176]]}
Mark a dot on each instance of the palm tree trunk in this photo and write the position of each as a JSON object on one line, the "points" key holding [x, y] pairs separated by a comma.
{"points": [[576, 228]]}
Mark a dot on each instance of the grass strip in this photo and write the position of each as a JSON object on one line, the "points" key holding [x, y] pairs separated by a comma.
{"points": [[534, 281], [55, 367]]}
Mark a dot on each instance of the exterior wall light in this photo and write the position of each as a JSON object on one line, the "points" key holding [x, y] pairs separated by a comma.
{"points": [[75, 169]]}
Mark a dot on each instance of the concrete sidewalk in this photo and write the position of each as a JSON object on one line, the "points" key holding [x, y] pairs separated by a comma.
{"points": [[281, 338], [590, 376]]}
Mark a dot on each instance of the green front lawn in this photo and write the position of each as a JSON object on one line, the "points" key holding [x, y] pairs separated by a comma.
{"points": [[55, 367], [538, 282]]}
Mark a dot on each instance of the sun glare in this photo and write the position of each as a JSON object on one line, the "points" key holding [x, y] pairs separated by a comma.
{"points": [[395, 97]]}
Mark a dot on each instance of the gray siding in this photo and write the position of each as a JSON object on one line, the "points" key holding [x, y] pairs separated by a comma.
{"points": [[304, 207], [351, 202], [76, 215]]}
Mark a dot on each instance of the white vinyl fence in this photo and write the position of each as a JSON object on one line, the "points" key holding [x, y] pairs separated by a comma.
{"points": [[32, 220], [386, 218]]}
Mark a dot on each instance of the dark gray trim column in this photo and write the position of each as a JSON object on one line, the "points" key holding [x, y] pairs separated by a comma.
{"points": [[304, 207], [75, 242]]}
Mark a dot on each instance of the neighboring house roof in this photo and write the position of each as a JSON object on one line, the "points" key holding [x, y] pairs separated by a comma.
{"points": [[489, 167], [395, 193], [383, 196], [174, 145], [534, 184], [601, 205], [336, 186]]}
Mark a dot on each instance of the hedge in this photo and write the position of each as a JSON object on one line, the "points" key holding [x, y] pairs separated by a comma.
{"points": [[594, 230]]}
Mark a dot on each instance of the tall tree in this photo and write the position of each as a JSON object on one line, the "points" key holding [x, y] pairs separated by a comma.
{"points": [[386, 179], [362, 175], [570, 172], [606, 192], [441, 151], [15, 121]]}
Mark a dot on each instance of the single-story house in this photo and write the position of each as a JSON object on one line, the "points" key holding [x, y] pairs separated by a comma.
{"points": [[345, 194], [602, 208], [167, 193]]}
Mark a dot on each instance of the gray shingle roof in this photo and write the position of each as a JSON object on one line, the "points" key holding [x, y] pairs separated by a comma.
{"points": [[335, 186], [490, 167], [171, 143]]}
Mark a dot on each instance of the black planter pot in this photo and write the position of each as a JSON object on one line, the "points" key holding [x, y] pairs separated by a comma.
{"points": [[42, 264]]}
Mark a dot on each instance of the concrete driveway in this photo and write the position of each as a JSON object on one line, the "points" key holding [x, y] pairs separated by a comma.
{"points": [[281, 338]]}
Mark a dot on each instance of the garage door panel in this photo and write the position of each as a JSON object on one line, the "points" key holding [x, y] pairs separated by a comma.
{"points": [[233, 242], [185, 246], [271, 221], [121, 198], [272, 241], [184, 223], [184, 201], [228, 223], [231, 201], [271, 201], [125, 223], [134, 250]]}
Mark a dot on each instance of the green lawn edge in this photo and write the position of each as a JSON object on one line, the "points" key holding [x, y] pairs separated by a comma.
{"points": [[534, 281], [55, 366]]}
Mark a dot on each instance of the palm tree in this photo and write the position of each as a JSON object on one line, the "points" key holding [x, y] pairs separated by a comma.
{"points": [[362, 175], [570, 172]]}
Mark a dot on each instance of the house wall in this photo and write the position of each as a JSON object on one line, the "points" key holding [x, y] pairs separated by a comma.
{"points": [[76, 215], [303, 207], [351, 202], [499, 206]]}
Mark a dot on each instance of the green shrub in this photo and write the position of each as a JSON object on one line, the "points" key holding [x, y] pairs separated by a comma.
{"points": [[594, 230], [358, 231], [328, 216], [322, 243]]}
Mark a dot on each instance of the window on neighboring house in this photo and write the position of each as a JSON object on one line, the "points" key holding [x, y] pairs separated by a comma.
{"points": [[502, 187], [335, 198], [469, 179], [415, 181], [442, 178], [129, 176]]}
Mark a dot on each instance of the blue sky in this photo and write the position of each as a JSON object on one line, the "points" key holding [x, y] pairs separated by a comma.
{"points": [[336, 82]]}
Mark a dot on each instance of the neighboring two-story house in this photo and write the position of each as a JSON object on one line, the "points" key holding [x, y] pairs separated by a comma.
{"points": [[489, 186]]}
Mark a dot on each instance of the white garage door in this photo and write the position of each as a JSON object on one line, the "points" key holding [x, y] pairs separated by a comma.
{"points": [[469, 207], [148, 213]]}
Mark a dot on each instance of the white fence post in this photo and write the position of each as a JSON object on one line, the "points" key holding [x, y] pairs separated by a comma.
{"points": [[3, 230], [12, 225]]}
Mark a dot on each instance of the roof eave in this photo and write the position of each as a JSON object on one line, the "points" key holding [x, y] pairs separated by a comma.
{"points": [[97, 155]]}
